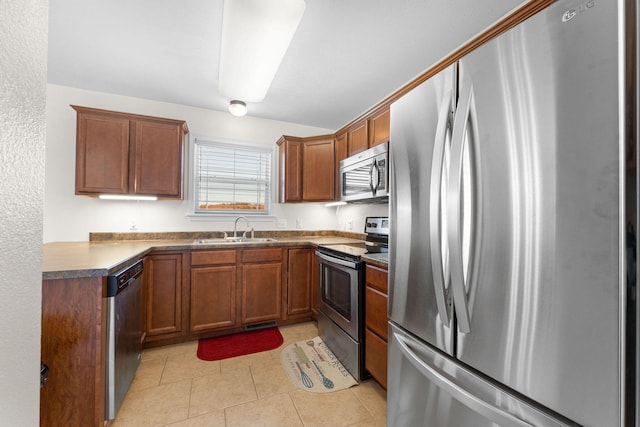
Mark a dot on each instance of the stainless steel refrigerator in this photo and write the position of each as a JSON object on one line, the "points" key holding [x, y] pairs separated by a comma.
{"points": [[512, 244]]}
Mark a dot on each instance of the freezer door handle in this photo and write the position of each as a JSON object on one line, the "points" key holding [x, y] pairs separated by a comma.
{"points": [[440, 269], [456, 391], [464, 115]]}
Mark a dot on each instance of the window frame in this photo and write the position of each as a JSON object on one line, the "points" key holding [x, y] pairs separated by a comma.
{"points": [[195, 213]]}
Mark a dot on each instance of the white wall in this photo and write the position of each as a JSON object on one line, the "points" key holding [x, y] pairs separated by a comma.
{"points": [[23, 67], [68, 217]]}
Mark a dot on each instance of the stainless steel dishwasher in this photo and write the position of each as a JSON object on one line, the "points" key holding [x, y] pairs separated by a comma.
{"points": [[124, 334]]}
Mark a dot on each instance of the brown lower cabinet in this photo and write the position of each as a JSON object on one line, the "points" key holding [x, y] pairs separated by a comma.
{"points": [[262, 285], [164, 292], [200, 293], [213, 290], [299, 282], [376, 329]]}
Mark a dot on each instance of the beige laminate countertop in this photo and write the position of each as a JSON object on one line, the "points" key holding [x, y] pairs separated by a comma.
{"points": [[67, 260]]}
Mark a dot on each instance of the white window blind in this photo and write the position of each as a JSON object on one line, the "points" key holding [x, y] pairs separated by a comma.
{"points": [[231, 178]]}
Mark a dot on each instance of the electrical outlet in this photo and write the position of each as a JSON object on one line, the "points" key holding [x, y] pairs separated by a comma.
{"points": [[133, 224], [350, 224], [299, 223]]}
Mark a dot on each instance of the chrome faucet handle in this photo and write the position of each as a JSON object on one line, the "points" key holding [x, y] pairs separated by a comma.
{"points": [[252, 236], [224, 235]]}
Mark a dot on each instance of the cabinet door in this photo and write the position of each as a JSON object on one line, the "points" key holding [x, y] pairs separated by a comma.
{"points": [[375, 357], [158, 158], [213, 298], [163, 294], [102, 154], [379, 125], [290, 170], [357, 138], [299, 281], [318, 170], [261, 292]]}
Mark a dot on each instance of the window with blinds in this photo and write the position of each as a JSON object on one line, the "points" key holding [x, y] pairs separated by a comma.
{"points": [[231, 178]]}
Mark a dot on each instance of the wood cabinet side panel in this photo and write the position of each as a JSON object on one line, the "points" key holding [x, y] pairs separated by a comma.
{"points": [[290, 171], [340, 154], [73, 345]]}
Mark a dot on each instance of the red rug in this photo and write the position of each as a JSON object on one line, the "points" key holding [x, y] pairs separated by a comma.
{"points": [[219, 348]]}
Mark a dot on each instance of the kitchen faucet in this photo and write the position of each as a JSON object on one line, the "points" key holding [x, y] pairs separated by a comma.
{"points": [[235, 227]]}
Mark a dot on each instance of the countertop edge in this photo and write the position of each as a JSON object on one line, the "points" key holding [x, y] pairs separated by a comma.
{"points": [[102, 258]]}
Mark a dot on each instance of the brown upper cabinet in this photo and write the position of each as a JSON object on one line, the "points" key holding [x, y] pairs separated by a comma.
{"points": [[306, 169], [120, 153], [289, 169], [357, 138], [379, 124]]}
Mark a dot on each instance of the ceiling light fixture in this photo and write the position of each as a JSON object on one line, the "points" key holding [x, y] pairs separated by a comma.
{"points": [[255, 36], [237, 108]]}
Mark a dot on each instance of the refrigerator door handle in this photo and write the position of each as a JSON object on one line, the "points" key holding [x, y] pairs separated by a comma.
{"points": [[456, 391], [440, 273], [465, 113]]}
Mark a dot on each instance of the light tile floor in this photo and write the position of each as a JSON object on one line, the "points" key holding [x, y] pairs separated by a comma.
{"points": [[174, 388]]}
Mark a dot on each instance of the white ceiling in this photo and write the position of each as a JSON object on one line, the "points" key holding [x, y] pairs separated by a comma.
{"points": [[346, 56]]}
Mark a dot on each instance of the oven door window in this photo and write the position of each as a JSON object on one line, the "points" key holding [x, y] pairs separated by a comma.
{"points": [[336, 290]]}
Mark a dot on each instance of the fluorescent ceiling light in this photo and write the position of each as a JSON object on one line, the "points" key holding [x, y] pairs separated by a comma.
{"points": [[123, 197], [255, 37], [237, 108]]}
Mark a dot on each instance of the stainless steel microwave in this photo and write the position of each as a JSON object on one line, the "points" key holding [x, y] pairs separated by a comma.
{"points": [[364, 177]]}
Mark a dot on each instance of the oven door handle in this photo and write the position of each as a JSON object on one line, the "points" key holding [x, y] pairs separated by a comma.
{"points": [[338, 261]]}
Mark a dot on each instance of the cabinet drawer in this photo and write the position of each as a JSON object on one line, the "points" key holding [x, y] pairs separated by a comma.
{"points": [[376, 312], [213, 257], [262, 255], [375, 357], [376, 278]]}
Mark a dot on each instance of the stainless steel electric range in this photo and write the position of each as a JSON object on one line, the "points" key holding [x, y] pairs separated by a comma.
{"points": [[341, 303]]}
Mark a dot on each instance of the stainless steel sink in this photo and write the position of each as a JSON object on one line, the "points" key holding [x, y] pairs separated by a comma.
{"points": [[233, 240]]}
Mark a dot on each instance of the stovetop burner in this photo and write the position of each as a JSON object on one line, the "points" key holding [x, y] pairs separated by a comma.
{"points": [[377, 241]]}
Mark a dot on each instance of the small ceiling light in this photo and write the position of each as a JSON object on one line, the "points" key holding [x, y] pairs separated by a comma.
{"points": [[255, 36], [237, 108]]}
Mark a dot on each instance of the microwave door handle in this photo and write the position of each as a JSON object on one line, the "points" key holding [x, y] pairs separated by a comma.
{"points": [[373, 189], [376, 168]]}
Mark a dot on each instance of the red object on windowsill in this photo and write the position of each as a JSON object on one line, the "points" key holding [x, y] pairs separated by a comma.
{"points": [[240, 344]]}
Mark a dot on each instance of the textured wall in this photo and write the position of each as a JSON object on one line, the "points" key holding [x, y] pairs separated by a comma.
{"points": [[23, 71]]}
